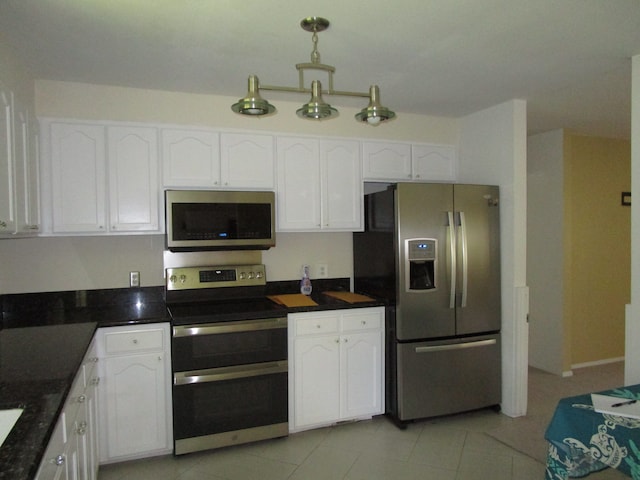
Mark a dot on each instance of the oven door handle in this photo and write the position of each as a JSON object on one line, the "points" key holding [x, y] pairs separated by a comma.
{"points": [[230, 373], [230, 327]]}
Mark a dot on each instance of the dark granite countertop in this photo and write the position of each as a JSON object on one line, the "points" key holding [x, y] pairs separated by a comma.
{"points": [[37, 367], [44, 337]]}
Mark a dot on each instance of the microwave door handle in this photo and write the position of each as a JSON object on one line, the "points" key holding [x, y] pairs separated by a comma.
{"points": [[452, 256]]}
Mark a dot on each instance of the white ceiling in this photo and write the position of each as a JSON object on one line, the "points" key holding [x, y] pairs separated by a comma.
{"points": [[570, 59]]}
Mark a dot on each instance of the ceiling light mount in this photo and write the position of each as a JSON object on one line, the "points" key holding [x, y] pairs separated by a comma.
{"points": [[316, 108]]}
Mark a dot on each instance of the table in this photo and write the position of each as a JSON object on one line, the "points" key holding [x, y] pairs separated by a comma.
{"points": [[582, 441]]}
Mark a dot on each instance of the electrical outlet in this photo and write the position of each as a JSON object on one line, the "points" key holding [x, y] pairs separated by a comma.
{"points": [[322, 270], [134, 279]]}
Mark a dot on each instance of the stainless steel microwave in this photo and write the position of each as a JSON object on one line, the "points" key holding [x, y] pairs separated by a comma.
{"points": [[219, 220]]}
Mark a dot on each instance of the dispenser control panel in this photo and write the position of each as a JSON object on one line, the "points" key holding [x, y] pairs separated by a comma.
{"points": [[421, 249]]}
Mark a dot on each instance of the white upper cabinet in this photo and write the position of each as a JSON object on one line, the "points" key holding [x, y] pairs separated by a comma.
{"points": [[19, 164], [248, 161], [133, 178], [207, 159], [433, 163], [319, 185], [298, 202], [404, 162], [7, 183], [78, 178], [341, 180], [82, 159], [386, 161], [190, 158]]}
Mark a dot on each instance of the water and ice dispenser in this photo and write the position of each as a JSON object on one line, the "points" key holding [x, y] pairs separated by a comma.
{"points": [[420, 264]]}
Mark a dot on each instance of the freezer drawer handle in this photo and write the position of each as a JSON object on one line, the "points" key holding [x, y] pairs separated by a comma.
{"points": [[456, 346]]}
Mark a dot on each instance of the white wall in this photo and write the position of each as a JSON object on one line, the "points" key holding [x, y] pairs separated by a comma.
{"points": [[493, 151], [545, 252]]}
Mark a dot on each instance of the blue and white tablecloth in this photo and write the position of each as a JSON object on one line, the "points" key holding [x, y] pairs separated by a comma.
{"points": [[582, 440]]}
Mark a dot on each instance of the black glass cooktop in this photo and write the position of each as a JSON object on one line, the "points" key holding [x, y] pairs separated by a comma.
{"points": [[224, 311]]}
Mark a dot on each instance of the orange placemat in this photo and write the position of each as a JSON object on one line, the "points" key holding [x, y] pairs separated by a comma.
{"points": [[349, 297], [293, 300]]}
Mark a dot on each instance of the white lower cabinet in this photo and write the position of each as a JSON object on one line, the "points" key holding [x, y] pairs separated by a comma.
{"points": [[336, 366], [72, 452], [135, 416]]}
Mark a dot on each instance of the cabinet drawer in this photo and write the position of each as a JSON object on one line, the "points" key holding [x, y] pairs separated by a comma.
{"points": [[135, 341], [316, 324], [354, 322]]}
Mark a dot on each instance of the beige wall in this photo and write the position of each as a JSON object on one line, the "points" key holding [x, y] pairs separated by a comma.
{"points": [[69, 263], [598, 246]]}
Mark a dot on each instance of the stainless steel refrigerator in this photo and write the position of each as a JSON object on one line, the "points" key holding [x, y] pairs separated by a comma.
{"points": [[433, 251]]}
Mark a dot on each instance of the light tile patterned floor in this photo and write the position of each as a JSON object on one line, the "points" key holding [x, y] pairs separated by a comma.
{"points": [[450, 448]]}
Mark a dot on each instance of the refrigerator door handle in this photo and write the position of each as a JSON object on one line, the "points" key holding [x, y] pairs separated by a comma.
{"points": [[463, 254], [456, 346], [452, 255]]}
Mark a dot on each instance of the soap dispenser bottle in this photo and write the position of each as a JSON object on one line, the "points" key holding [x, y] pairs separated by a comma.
{"points": [[305, 283]]}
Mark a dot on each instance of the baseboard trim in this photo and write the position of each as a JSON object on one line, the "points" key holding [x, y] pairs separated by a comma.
{"points": [[597, 362]]}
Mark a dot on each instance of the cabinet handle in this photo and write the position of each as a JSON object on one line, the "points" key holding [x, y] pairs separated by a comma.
{"points": [[33, 227], [135, 341], [337, 340], [364, 322], [58, 460], [82, 398], [95, 381]]}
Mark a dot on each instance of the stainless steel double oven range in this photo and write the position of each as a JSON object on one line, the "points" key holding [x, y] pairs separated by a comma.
{"points": [[229, 357]]}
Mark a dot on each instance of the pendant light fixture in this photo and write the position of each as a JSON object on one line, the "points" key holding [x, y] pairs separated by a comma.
{"points": [[316, 108]]}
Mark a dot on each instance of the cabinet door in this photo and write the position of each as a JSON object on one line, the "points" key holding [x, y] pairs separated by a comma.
{"points": [[34, 221], [298, 184], [7, 185], [361, 374], [78, 178], [21, 165], [135, 407], [386, 161], [434, 163], [54, 461], [247, 161], [341, 180], [317, 380], [190, 158], [133, 179]]}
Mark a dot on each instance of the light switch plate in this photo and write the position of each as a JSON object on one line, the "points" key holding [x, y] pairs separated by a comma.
{"points": [[134, 279]]}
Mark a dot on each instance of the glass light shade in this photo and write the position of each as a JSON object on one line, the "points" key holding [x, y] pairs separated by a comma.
{"points": [[253, 103], [316, 109], [374, 113]]}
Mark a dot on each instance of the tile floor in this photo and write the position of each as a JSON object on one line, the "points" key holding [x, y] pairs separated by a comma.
{"points": [[450, 448]]}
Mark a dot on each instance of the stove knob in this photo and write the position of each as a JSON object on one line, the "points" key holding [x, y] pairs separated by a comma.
{"points": [[251, 275], [259, 274], [173, 279], [183, 278], [243, 276]]}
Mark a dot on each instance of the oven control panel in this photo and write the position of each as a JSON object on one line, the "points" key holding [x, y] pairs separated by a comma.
{"points": [[189, 278]]}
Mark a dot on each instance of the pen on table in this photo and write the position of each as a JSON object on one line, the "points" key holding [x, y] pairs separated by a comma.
{"points": [[620, 404]]}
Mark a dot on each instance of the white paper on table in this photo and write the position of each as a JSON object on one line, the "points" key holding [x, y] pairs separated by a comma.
{"points": [[603, 404]]}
